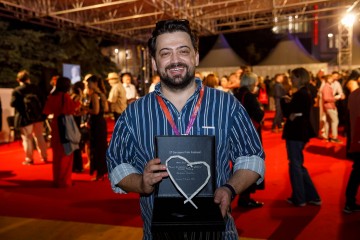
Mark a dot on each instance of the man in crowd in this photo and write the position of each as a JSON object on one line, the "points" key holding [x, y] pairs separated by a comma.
{"points": [[131, 92], [28, 101], [117, 95], [132, 164]]}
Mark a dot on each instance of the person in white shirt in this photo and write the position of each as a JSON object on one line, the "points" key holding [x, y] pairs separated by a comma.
{"points": [[131, 92], [117, 96]]}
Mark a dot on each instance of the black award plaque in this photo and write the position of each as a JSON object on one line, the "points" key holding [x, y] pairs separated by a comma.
{"points": [[184, 201]]}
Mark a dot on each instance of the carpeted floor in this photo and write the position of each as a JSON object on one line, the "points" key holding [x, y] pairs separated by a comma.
{"points": [[26, 193]]}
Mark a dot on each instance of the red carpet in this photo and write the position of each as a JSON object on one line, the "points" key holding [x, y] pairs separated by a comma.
{"points": [[25, 191]]}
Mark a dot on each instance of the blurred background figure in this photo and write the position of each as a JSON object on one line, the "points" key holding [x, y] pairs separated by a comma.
{"points": [[199, 75], [60, 102], [117, 96], [98, 127], [246, 95], [29, 101], [224, 83], [354, 144], [131, 92], [76, 95], [53, 83], [154, 80], [211, 81], [279, 92], [331, 113], [297, 133]]}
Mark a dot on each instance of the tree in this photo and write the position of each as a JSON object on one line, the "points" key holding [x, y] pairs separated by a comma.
{"points": [[40, 51]]}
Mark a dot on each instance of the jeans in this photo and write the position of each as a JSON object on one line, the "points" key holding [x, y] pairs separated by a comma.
{"points": [[32, 132], [303, 189], [332, 120]]}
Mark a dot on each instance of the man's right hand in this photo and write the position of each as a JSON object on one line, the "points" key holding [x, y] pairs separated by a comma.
{"points": [[153, 173]]}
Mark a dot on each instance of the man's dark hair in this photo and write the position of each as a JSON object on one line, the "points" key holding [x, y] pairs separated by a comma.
{"points": [[354, 74], [170, 26]]}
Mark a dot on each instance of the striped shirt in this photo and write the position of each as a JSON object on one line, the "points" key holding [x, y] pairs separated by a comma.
{"points": [[220, 114]]}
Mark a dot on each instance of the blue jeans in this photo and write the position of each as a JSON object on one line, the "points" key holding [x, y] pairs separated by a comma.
{"points": [[303, 189]]}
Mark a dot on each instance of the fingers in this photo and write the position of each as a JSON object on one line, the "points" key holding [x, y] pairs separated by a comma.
{"points": [[223, 198], [154, 172]]}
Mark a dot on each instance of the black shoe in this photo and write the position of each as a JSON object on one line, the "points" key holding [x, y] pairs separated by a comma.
{"points": [[250, 204], [291, 201], [352, 208], [316, 202]]}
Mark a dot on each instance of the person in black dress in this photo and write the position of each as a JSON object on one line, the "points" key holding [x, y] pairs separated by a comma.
{"points": [[98, 129]]}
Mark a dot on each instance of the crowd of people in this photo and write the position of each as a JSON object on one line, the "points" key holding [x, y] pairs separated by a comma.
{"points": [[305, 106], [321, 110], [88, 102]]}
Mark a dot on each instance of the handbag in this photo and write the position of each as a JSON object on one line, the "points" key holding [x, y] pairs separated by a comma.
{"points": [[69, 133]]}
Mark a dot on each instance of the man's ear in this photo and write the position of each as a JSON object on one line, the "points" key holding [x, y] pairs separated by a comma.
{"points": [[153, 64], [197, 59]]}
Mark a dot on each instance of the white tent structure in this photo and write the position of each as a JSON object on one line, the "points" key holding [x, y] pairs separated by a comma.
{"points": [[220, 60], [288, 54]]}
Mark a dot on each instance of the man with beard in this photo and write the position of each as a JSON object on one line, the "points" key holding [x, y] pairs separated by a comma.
{"points": [[181, 105]]}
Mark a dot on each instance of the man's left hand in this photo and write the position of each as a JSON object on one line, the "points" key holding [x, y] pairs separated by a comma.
{"points": [[222, 197]]}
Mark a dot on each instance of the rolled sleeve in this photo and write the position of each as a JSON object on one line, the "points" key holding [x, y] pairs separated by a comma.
{"points": [[253, 163], [118, 173]]}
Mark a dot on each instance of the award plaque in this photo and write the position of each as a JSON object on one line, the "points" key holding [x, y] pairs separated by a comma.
{"points": [[184, 201]]}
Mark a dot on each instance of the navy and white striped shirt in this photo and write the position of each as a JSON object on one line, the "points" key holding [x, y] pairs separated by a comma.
{"points": [[220, 114]]}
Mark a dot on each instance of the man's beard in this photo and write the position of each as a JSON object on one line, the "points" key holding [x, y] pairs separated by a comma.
{"points": [[177, 82]]}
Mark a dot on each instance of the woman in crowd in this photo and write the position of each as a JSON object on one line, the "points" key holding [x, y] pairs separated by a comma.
{"points": [[211, 81], [223, 84], [60, 102], [246, 95], [297, 132], [279, 92], [98, 129], [76, 95]]}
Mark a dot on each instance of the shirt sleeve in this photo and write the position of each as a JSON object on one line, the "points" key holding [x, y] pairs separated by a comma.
{"points": [[246, 148], [121, 155]]}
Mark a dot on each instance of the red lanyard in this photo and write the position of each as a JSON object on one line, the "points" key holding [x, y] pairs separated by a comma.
{"points": [[192, 118]]}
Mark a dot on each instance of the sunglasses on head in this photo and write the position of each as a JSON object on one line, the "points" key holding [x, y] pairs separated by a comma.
{"points": [[161, 23]]}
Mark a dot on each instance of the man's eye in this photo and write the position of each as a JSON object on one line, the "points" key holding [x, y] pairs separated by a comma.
{"points": [[164, 54], [184, 52]]}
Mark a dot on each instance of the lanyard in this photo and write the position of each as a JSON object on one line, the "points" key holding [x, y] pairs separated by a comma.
{"points": [[192, 118]]}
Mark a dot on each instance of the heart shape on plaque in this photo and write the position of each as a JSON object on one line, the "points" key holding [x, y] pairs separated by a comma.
{"points": [[183, 172]]}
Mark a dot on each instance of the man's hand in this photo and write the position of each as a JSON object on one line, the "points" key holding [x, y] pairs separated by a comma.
{"points": [[222, 197], [153, 173]]}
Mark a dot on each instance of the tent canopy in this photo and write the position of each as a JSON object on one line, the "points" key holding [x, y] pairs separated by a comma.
{"points": [[221, 55], [288, 51]]}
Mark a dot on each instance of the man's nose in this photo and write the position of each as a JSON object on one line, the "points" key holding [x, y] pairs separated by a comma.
{"points": [[174, 57]]}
